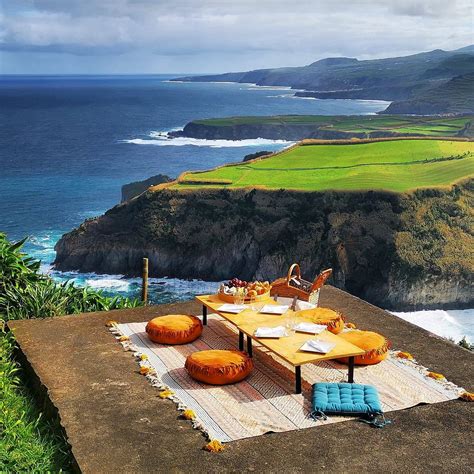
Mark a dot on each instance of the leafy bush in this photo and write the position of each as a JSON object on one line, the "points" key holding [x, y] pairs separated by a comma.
{"points": [[25, 293]]}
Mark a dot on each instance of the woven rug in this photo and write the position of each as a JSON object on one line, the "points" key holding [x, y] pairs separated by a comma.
{"points": [[265, 402]]}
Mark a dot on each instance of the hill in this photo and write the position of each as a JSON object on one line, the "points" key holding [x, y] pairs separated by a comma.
{"points": [[395, 165], [393, 79], [299, 127], [455, 97]]}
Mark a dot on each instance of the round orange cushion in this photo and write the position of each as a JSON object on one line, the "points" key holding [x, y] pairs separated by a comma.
{"points": [[332, 319], [219, 367], [375, 346], [174, 329]]}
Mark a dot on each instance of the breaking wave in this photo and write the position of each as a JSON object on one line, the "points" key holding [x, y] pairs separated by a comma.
{"points": [[157, 138]]}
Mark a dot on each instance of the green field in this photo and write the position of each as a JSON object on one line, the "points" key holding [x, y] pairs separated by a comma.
{"points": [[399, 165], [413, 125]]}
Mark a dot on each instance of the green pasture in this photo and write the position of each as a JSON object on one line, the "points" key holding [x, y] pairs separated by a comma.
{"points": [[400, 165], [434, 126]]}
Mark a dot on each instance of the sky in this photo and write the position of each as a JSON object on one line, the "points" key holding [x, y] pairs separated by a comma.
{"points": [[192, 36]]}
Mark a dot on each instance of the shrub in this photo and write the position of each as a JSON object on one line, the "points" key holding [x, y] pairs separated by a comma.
{"points": [[25, 293]]}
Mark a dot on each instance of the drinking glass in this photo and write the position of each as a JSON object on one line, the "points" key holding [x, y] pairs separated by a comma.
{"points": [[290, 323], [239, 297]]}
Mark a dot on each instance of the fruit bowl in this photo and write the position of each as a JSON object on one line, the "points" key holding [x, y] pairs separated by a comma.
{"points": [[230, 298], [253, 291]]}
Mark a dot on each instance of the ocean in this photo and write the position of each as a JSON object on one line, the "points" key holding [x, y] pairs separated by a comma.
{"points": [[68, 144]]}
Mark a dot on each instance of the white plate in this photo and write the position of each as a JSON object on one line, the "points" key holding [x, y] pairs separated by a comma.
{"points": [[274, 309], [329, 346], [270, 333], [231, 308], [310, 328]]}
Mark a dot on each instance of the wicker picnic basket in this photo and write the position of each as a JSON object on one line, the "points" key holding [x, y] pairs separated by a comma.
{"points": [[293, 285]]}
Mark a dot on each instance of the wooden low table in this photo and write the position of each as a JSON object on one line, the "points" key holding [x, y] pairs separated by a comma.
{"points": [[288, 348]]}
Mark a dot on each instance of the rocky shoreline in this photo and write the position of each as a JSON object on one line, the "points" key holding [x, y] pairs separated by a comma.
{"points": [[398, 251], [283, 131]]}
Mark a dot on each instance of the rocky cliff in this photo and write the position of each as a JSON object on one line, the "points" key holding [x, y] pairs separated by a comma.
{"points": [[135, 188], [281, 131], [398, 251]]}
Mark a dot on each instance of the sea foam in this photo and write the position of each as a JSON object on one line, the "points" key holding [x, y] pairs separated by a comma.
{"points": [[162, 138], [452, 324]]}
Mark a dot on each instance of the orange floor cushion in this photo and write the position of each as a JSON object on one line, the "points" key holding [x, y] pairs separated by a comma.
{"points": [[219, 367], [174, 329], [332, 319], [375, 345]]}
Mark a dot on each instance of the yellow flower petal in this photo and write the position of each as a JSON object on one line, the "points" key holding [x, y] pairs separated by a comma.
{"points": [[124, 338], [404, 355], [110, 323]]}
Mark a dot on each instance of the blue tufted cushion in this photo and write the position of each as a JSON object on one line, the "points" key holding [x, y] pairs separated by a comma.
{"points": [[346, 399]]}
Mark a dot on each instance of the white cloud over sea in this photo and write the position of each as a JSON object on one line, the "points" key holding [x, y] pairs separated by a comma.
{"points": [[133, 36]]}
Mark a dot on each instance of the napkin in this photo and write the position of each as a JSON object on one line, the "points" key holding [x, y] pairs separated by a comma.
{"points": [[231, 308], [317, 345], [310, 328], [279, 331], [300, 305], [274, 309]]}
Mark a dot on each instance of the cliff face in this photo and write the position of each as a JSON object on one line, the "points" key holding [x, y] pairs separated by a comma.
{"points": [[135, 188], [282, 131], [397, 251]]}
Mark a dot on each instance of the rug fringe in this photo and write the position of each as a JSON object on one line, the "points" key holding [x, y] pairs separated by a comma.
{"points": [[409, 360], [147, 370]]}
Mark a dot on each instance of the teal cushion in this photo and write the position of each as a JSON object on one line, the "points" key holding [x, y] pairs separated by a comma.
{"points": [[345, 399]]}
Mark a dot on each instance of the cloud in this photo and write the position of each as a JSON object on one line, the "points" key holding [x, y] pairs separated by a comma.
{"points": [[272, 32]]}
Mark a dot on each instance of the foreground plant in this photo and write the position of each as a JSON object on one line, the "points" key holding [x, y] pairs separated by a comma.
{"points": [[28, 442]]}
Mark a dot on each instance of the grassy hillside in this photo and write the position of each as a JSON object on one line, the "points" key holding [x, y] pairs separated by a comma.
{"points": [[395, 124], [399, 165], [455, 96], [395, 79]]}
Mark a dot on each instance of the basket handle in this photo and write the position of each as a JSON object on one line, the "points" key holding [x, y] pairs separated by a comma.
{"points": [[296, 267], [321, 279]]}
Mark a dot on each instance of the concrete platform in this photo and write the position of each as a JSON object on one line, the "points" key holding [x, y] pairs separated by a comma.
{"points": [[115, 422]]}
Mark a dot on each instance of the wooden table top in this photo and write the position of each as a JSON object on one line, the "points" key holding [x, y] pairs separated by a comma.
{"points": [[288, 348]]}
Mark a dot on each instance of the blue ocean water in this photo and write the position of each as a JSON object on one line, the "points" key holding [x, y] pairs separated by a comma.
{"points": [[68, 143]]}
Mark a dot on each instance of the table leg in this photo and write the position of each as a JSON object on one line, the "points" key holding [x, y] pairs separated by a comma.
{"points": [[249, 346], [204, 315], [241, 341], [298, 379], [350, 377]]}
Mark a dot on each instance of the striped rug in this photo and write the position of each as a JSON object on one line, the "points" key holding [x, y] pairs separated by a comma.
{"points": [[265, 401]]}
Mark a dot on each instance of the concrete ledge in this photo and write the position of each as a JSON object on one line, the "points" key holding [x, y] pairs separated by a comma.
{"points": [[114, 420]]}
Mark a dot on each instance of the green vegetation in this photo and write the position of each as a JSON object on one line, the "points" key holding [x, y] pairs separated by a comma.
{"points": [[27, 441], [401, 125], [398, 165]]}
